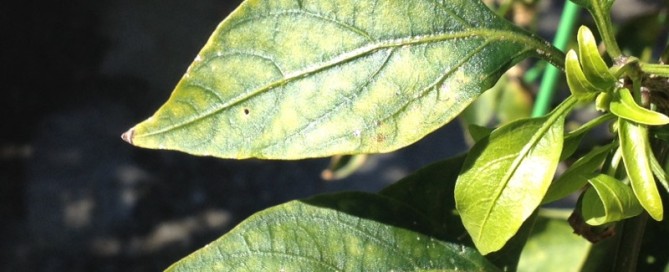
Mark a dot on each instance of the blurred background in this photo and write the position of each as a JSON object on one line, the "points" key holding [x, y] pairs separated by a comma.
{"points": [[74, 197]]}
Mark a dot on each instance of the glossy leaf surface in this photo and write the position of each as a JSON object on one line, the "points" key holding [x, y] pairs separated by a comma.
{"points": [[579, 85], [341, 232], [608, 200], [287, 79], [505, 177], [634, 144], [624, 106], [594, 67]]}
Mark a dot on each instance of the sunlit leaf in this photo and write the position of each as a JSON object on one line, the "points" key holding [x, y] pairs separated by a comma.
{"points": [[603, 101], [290, 79], [608, 200], [634, 144], [624, 106], [579, 85], [430, 191], [341, 232], [594, 67], [505, 177]]}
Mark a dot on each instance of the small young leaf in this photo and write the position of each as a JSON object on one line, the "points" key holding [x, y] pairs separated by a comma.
{"points": [[579, 85], [634, 144], [603, 101], [594, 67], [577, 175], [284, 79], [340, 232], [624, 106], [608, 200], [505, 177]]}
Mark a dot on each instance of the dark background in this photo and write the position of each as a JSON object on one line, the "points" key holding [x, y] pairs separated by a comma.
{"points": [[74, 197]]}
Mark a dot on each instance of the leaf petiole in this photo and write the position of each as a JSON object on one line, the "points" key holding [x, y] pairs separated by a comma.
{"points": [[655, 69], [590, 125]]}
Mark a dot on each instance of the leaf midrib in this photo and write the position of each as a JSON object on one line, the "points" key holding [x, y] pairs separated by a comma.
{"points": [[555, 116], [489, 35]]}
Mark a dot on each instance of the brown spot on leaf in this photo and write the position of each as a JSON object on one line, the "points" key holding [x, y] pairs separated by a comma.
{"points": [[247, 111], [380, 138]]}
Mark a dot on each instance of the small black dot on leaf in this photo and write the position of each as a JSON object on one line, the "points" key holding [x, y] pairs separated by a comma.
{"points": [[247, 111]]}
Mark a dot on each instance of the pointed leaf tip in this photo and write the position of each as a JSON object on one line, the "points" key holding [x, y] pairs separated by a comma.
{"points": [[128, 135], [285, 80]]}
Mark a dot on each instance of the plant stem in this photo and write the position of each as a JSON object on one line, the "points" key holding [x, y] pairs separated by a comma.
{"points": [[551, 74], [603, 22], [627, 254], [591, 124]]}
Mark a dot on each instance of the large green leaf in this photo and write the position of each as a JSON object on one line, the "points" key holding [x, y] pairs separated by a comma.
{"points": [[505, 177], [342, 232], [290, 79]]}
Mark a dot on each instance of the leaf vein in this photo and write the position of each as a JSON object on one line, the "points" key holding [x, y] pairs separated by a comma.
{"points": [[338, 60]]}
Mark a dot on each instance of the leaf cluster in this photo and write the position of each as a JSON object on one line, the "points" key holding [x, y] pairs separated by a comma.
{"points": [[286, 79]]}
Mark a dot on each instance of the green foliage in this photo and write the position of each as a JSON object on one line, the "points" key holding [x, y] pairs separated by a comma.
{"points": [[287, 79], [340, 232], [578, 174], [273, 82], [624, 106], [634, 145], [505, 177], [608, 200]]}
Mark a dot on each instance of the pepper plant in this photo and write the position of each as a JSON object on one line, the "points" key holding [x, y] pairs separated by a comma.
{"points": [[295, 79]]}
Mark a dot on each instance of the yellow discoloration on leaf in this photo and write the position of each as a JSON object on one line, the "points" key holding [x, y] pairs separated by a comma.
{"points": [[294, 79]]}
